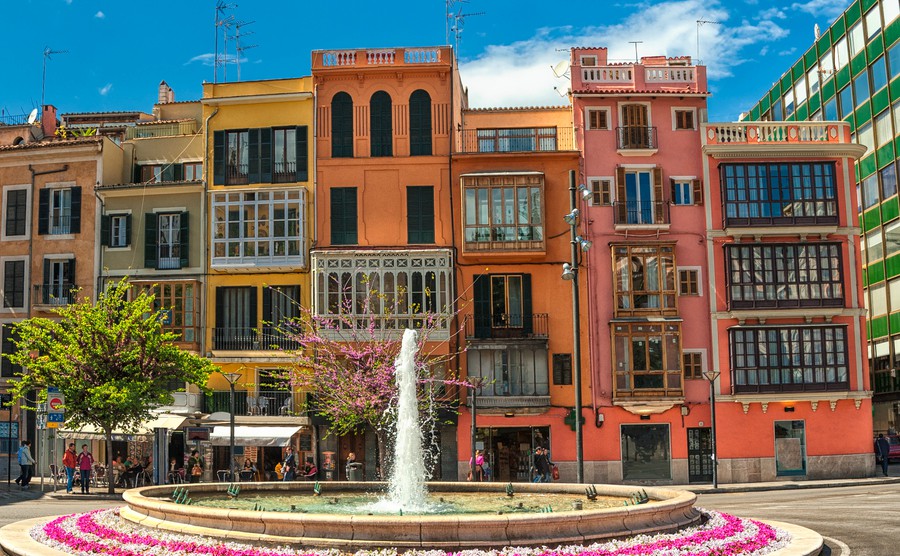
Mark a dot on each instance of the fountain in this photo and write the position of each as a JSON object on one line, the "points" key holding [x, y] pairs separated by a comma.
{"points": [[488, 515]]}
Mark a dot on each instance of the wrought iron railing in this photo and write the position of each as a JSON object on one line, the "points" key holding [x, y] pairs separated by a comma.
{"points": [[641, 212], [527, 139], [237, 174], [56, 294], [243, 339], [636, 137], [507, 326]]}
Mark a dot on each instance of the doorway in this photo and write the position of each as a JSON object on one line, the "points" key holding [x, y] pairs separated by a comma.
{"points": [[509, 451], [645, 452], [700, 461]]}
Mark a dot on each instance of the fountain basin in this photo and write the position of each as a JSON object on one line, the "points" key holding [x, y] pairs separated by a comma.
{"points": [[667, 510]]}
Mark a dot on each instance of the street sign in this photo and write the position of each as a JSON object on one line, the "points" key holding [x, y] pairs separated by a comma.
{"points": [[56, 402], [198, 433]]}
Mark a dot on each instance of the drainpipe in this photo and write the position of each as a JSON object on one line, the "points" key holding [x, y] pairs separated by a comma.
{"points": [[204, 266], [100, 245]]}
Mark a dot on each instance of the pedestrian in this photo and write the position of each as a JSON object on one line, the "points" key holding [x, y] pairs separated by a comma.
{"points": [[195, 463], [26, 464], [883, 450], [542, 465], [85, 465], [478, 476], [289, 465], [69, 463]]}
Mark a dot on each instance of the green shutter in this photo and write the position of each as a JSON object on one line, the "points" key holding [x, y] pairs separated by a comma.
{"points": [[178, 172], [75, 227], [265, 155], [219, 157], [127, 230], [341, 126], [481, 289], [253, 157], [302, 146], [151, 232], [419, 123], [185, 239], [44, 211], [527, 309], [420, 214], [168, 173], [105, 229], [343, 216], [45, 287]]}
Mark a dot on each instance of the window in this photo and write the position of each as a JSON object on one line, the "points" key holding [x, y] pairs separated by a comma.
{"points": [[826, 63], [831, 110], [562, 369], [13, 285], [684, 119], [874, 247], [381, 127], [588, 61], [636, 132], [115, 230], [857, 39], [193, 171], [502, 307], [646, 452], [285, 147], [693, 364], [180, 305], [891, 10], [281, 307], [861, 88], [15, 213], [152, 173], [866, 136], [343, 216], [237, 157], [845, 96], [235, 319], [789, 359], [8, 346], [892, 243], [647, 359], [504, 212], [883, 132], [510, 370], [687, 192], [790, 448], [789, 103], [873, 23], [261, 155], [779, 193], [800, 92], [841, 56], [59, 282], [419, 123], [812, 77], [639, 197], [420, 214], [870, 191], [59, 211], [601, 191], [597, 118], [505, 140], [878, 300], [879, 74], [688, 281], [341, 126], [262, 227], [644, 280], [895, 111], [166, 240], [888, 181], [784, 275]]}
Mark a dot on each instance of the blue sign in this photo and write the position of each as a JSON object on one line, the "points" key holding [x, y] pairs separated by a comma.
{"points": [[55, 403]]}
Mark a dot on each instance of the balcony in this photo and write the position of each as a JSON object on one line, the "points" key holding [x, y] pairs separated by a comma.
{"points": [[60, 224], [674, 79], [507, 327], [237, 174], [264, 402], [252, 339], [55, 294], [167, 129], [634, 138], [381, 57], [641, 213], [284, 172], [517, 140]]}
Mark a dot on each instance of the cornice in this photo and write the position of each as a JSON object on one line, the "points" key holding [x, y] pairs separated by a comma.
{"points": [[784, 150]]}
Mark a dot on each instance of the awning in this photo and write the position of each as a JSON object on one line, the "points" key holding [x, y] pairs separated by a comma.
{"points": [[162, 421], [253, 436]]}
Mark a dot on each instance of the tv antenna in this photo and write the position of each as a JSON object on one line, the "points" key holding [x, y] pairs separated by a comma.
{"points": [[458, 18], [48, 52], [701, 23], [636, 43], [225, 23], [238, 49]]}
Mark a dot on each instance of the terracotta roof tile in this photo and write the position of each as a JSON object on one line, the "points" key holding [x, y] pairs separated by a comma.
{"points": [[49, 144]]}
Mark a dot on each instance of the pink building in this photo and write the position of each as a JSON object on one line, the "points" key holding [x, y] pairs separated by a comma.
{"points": [[648, 297]]}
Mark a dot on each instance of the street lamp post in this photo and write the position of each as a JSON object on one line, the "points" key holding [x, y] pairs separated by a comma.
{"points": [[475, 383], [232, 378], [711, 376], [570, 272]]}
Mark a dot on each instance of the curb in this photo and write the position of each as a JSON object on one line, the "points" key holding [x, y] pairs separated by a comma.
{"points": [[792, 485]]}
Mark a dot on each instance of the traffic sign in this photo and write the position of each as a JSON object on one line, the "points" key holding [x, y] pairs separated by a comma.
{"points": [[56, 402]]}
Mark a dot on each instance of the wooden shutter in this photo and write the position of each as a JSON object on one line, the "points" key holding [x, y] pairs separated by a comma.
{"points": [[105, 229], [265, 155], [136, 175], [220, 307], [420, 214], [127, 230], [70, 275], [168, 173], [268, 321], [341, 126], [44, 211], [75, 227], [302, 146], [481, 289], [658, 197], [343, 216], [253, 157], [621, 198], [219, 157], [151, 237], [45, 287], [527, 309], [253, 307], [178, 172], [697, 186], [185, 244]]}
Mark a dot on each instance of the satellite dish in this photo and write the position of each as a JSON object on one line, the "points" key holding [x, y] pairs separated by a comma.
{"points": [[561, 69], [33, 116]]}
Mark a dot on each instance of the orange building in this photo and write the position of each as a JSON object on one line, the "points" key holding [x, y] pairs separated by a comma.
{"points": [[383, 195], [788, 319]]}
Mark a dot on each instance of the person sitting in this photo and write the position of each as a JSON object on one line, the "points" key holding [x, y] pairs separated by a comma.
{"points": [[278, 474], [310, 471], [118, 472], [249, 470], [131, 474]]}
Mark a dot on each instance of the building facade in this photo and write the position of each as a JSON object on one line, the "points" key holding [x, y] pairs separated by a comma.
{"points": [[851, 73]]}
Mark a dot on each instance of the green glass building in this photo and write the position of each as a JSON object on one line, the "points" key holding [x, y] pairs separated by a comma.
{"points": [[852, 73]]}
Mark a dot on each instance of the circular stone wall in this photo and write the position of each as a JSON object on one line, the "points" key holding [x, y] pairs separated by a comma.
{"points": [[667, 510]]}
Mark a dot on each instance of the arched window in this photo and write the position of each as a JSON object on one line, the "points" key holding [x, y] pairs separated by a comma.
{"points": [[341, 126], [380, 124], [419, 123]]}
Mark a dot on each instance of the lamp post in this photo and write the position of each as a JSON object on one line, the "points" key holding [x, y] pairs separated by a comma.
{"points": [[475, 383], [232, 378], [711, 376], [570, 272]]}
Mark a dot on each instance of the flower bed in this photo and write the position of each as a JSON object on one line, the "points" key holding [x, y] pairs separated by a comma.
{"points": [[103, 532]]}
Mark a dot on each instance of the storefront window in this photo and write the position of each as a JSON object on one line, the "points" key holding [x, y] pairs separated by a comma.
{"points": [[790, 448], [645, 452]]}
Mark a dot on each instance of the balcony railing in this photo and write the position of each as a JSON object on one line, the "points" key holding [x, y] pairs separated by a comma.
{"points": [[284, 172], [55, 294], [381, 57], [505, 326], [641, 212], [507, 140], [16, 119], [170, 129], [247, 339], [636, 137], [630, 74], [264, 402], [237, 174], [775, 132]]}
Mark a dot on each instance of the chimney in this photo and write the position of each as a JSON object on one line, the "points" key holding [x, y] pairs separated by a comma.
{"points": [[48, 120], [166, 94]]}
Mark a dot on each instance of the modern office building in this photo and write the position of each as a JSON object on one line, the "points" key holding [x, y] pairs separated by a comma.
{"points": [[851, 73]]}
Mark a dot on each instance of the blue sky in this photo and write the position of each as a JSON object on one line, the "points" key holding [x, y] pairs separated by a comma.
{"points": [[119, 50]]}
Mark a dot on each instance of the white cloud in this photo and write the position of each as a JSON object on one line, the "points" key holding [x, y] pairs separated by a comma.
{"points": [[772, 13], [826, 8], [518, 74], [99, 15], [208, 59], [787, 52], [105, 89]]}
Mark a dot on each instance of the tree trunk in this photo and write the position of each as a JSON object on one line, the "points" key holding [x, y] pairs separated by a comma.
{"points": [[385, 453], [111, 486]]}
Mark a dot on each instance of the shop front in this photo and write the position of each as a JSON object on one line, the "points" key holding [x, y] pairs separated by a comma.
{"points": [[509, 451]]}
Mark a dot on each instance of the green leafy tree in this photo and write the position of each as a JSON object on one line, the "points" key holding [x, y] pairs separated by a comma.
{"points": [[111, 360]]}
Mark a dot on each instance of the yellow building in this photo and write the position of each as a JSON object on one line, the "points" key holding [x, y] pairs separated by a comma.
{"points": [[259, 191]]}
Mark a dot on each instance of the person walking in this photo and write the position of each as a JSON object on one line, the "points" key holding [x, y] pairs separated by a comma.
{"points": [[195, 464], [289, 465], [85, 465], [883, 450], [542, 465], [26, 464], [69, 463]]}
